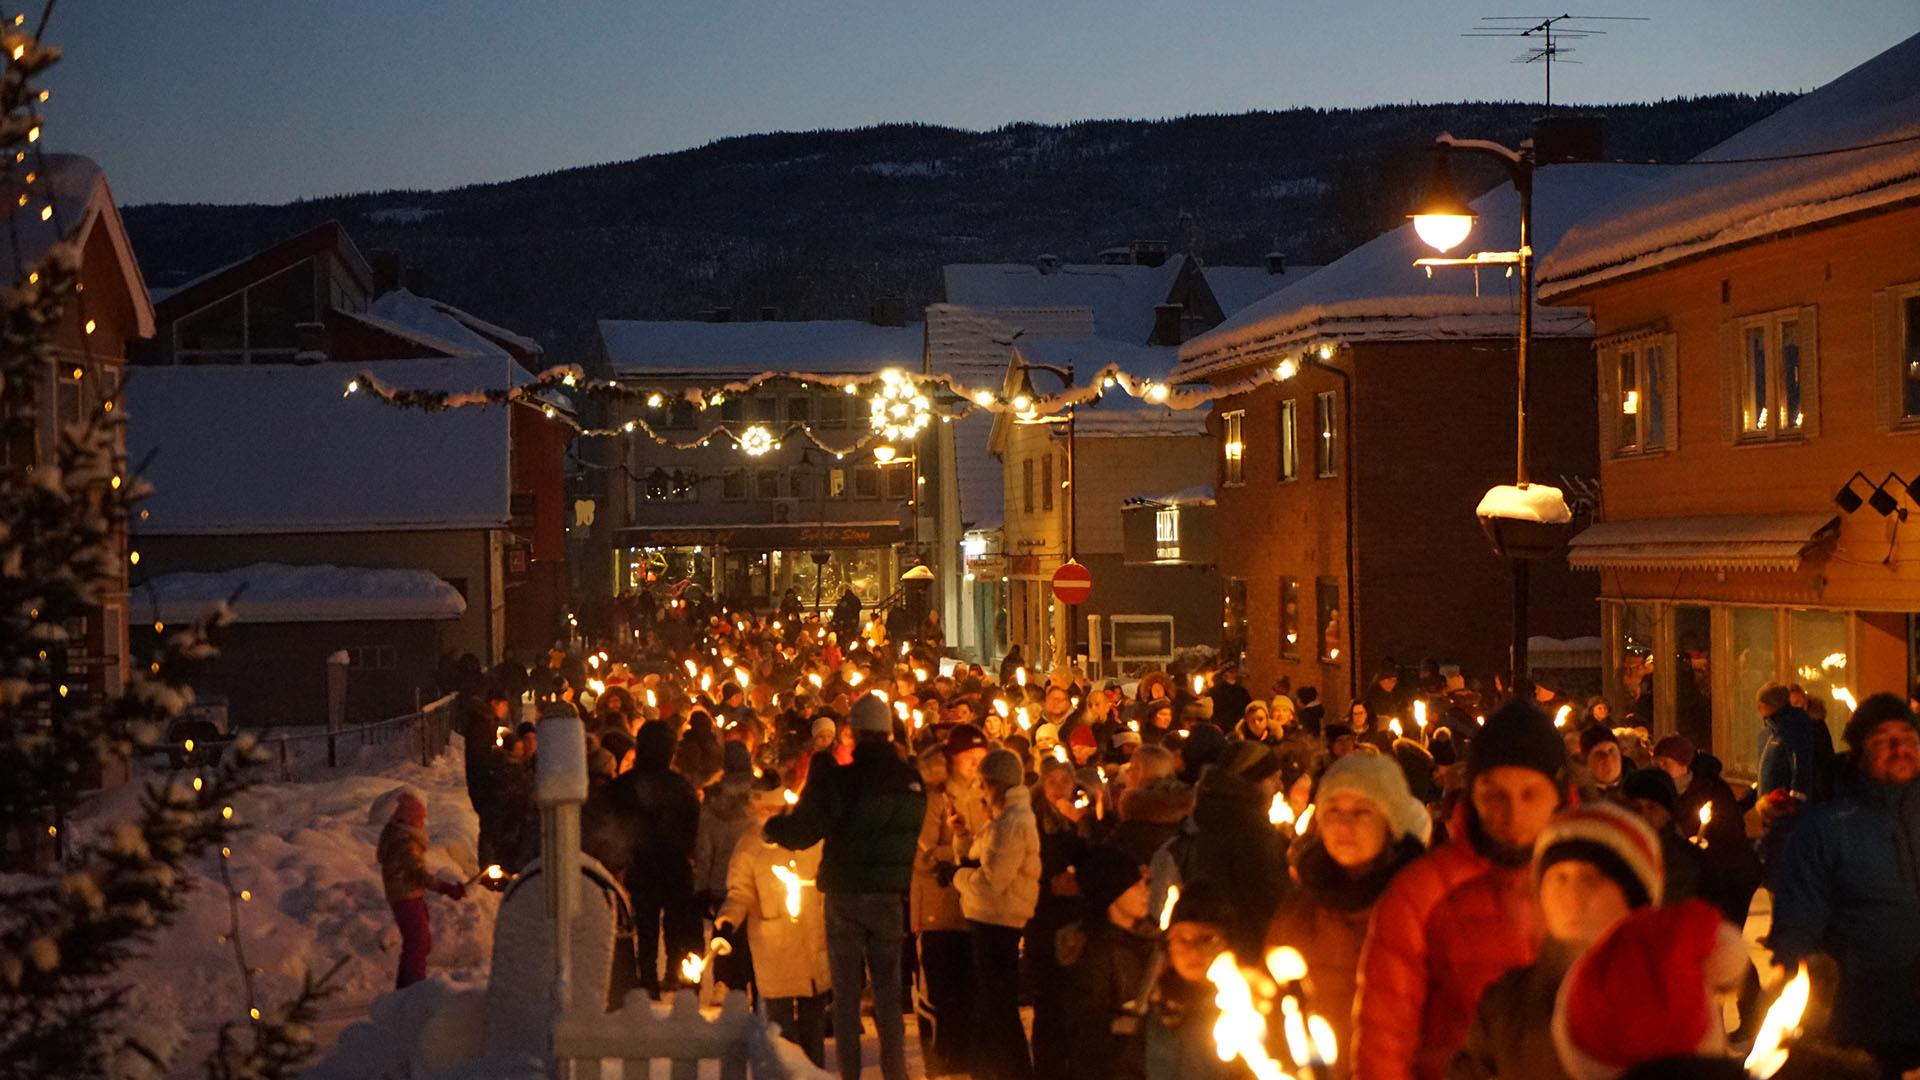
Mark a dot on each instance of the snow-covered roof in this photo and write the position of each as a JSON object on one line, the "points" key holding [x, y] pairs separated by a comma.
{"points": [[77, 190], [1730, 542], [1375, 293], [975, 349], [279, 593], [708, 349], [1235, 288], [433, 320], [1118, 414], [1121, 297], [1693, 210], [279, 449], [1198, 495]]}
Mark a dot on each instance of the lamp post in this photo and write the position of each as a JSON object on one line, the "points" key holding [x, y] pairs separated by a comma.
{"points": [[1065, 375], [1443, 221]]}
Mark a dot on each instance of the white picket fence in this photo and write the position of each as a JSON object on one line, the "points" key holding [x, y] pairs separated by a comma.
{"points": [[588, 1041]]}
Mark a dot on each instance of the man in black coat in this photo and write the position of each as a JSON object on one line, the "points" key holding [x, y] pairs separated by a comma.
{"points": [[655, 814]]}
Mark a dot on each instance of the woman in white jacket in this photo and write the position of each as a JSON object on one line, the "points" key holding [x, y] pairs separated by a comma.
{"points": [[999, 886], [771, 891]]}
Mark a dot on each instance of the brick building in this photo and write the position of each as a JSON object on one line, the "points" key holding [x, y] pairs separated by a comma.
{"points": [[1758, 343], [1345, 493]]}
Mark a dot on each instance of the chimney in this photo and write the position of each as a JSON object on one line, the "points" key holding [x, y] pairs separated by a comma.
{"points": [[414, 279], [1047, 264], [386, 271], [888, 311], [719, 314], [769, 313], [310, 342], [1149, 252], [1560, 139], [1116, 256], [1276, 263], [1166, 324]]}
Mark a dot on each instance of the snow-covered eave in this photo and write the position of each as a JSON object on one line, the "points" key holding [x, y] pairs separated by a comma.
{"points": [[1559, 284], [1345, 324]]}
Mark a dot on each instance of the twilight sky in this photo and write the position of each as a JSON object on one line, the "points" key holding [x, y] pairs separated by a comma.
{"points": [[269, 100]]}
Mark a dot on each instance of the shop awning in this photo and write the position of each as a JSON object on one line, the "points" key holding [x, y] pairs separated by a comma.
{"points": [[1735, 542], [768, 537]]}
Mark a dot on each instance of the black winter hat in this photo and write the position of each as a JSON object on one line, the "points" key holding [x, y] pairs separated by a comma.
{"points": [[1205, 743], [1873, 712], [1203, 902], [1595, 735], [1654, 785], [1519, 734], [1104, 873]]}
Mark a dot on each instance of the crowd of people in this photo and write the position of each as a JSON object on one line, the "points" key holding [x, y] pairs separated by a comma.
{"points": [[1461, 880]]}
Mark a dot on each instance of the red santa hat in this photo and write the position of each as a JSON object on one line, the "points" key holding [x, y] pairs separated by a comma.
{"points": [[1647, 990]]}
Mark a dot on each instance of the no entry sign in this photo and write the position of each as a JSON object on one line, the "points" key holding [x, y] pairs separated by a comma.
{"points": [[1072, 583]]}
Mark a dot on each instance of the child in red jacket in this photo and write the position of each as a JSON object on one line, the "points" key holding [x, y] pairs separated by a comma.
{"points": [[404, 874]]}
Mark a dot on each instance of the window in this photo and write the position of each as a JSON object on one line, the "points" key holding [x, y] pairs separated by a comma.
{"points": [[1909, 343], [799, 409], [370, 657], [1289, 440], [1166, 533], [833, 410], [1635, 393], [1232, 446], [680, 414], [68, 399], [1755, 637], [836, 483], [766, 484], [899, 482], [656, 486], [1327, 599], [1326, 433], [765, 408], [1290, 616], [1046, 481], [866, 482], [800, 485], [1774, 373], [733, 484], [1026, 485], [732, 409], [1233, 621], [684, 487]]}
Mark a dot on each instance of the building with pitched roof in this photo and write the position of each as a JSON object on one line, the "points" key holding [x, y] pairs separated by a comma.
{"points": [[1757, 365]]}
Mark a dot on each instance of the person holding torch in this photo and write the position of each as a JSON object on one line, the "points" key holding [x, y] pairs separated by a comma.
{"points": [[771, 893]]}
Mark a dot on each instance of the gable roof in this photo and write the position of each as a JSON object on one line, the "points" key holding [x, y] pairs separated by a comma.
{"points": [[328, 236], [1235, 288], [1121, 297], [77, 189], [463, 333], [730, 349], [1376, 293], [1695, 210], [276, 448], [975, 349]]}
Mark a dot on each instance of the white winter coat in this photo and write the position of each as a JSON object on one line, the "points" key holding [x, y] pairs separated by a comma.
{"points": [[789, 957], [1004, 889]]}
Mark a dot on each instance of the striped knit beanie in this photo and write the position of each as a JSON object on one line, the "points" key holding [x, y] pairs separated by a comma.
{"points": [[1614, 840], [1648, 990]]}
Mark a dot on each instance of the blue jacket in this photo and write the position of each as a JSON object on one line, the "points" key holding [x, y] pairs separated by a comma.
{"points": [[1797, 754], [1848, 885]]}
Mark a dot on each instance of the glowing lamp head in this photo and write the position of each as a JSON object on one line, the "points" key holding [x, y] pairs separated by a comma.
{"points": [[1443, 232], [884, 453], [1444, 219]]}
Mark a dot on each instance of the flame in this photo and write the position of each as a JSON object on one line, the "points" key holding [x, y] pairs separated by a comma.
{"points": [[793, 798], [1393, 725], [693, 967], [1480, 720], [494, 873], [919, 719], [1420, 714], [903, 649], [900, 709], [1300, 826], [692, 668], [499, 738], [1845, 697], [789, 876], [1240, 1031], [919, 674], [740, 676], [814, 678], [1706, 814], [879, 693], [653, 699], [1279, 813], [1020, 675], [706, 681], [597, 686], [1059, 753], [1133, 725], [594, 662], [1000, 706], [1199, 684], [1026, 722], [1783, 1019], [1285, 964], [1560, 717], [1295, 1025], [855, 678], [1326, 1047], [1166, 909]]}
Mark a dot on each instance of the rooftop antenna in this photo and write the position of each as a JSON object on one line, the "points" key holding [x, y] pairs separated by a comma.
{"points": [[1544, 34]]}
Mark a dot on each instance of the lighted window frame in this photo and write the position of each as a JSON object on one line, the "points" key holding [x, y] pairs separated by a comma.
{"points": [[1233, 447], [1326, 433], [1289, 439], [1772, 351]]}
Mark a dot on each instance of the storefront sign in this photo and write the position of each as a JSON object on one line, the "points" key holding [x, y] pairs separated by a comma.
{"points": [[765, 537]]}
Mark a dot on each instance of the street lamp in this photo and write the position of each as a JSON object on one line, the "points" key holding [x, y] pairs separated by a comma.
{"points": [[1023, 399], [1443, 221]]}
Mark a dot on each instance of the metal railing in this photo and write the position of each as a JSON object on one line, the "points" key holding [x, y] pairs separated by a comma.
{"points": [[314, 752]]}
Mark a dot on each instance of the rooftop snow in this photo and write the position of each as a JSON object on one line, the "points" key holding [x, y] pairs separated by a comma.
{"points": [[708, 349], [77, 190], [974, 348], [428, 318], [1122, 298], [1118, 413], [1374, 292], [1198, 495], [1690, 211], [1235, 288], [279, 593], [278, 449]]}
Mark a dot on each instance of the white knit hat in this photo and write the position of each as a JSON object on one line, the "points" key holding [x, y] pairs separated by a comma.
{"points": [[1378, 779], [1615, 840]]}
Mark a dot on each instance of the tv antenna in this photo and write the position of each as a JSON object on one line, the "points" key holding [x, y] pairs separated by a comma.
{"points": [[1544, 34]]}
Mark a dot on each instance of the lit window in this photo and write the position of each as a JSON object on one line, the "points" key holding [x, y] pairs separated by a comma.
{"points": [[1775, 359], [1640, 398], [1289, 440], [1232, 446], [1326, 433], [1290, 618]]}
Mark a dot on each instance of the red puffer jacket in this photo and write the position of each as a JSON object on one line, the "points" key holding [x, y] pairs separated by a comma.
{"points": [[1448, 925]]}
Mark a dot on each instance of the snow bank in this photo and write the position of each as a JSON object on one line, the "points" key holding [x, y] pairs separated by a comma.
{"points": [[1535, 502], [307, 859], [279, 593]]}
